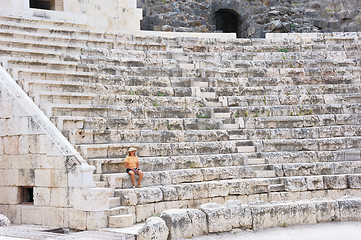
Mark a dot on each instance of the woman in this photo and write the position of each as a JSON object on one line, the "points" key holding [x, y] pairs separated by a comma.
{"points": [[132, 165]]}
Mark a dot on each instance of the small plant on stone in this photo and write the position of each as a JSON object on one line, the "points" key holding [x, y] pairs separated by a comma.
{"points": [[201, 105], [156, 104], [256, 114], [284, 225], [246, 114], [236, 116], [265, 100], [192, 165], [269, 113], [203, 116], [284, 50], [131, 92], [160, 94], [209, 128]]}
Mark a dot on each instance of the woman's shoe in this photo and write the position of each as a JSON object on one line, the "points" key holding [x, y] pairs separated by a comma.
{"points": [[133, 187]]}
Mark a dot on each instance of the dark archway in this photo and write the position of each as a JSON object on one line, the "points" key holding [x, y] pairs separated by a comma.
{"points": [[227, 21], [43, 4]]}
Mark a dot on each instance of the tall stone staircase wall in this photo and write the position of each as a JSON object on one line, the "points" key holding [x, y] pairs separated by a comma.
{"points": [[258, 120]]}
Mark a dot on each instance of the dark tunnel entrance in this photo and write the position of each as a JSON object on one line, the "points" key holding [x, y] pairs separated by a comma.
{"points": [[227, 21], [42, 4]]}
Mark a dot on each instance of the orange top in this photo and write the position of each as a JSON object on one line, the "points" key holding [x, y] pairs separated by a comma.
{"points": [[132, 161]]}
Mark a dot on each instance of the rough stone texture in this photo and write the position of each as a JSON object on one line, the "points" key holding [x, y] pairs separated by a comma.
{"points": [[256, 17], [218, 217], [185, 223], [350, 209], [154, 228], [4, 221]]}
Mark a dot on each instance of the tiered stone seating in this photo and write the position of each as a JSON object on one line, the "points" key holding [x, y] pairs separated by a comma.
{"points": [[214, 120]]}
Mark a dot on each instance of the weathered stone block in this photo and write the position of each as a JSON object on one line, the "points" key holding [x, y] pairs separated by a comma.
{"points": [[262, 216], [75, 219], [169, 193], [327, 210], [295, 184], [128, 197], [96, 220], [354, 181], [185, 223], [241, 215], [154, 228], [335, 182], [350, 208], [31, 214], [314, 182], [149, 195], [218, 217], [52, 216], [4, 221], [144, 211], [307, 213]]}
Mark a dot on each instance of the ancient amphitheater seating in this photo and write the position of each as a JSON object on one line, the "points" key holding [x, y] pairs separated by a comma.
{"points": [[257, 120]]}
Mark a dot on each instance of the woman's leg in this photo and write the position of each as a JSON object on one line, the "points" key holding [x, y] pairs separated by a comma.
{"points": [[132, 177], [140, 173]]}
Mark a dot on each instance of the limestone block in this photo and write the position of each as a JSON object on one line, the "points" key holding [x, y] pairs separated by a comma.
{"points": [[185, 191], [75, 219], [143, 212], [96, 220], [154, 228], [350, 208], [241, 215], [11, 145], [169, 193], [201, 190], [10, 195], [211, 173], [237, 187], [299, 169], [13, 212], [128, 197], [4, 221], [217, 189], [188, 175], [91, 199], [52, 216], [185, 223], [327, 210], [335, 182], [354, 181], [218, 217], [307, 213], [31, 214], [80, 175], [1, 143], [41, 196], [263, 216], [149, 195], [286, 214], [314, 182], [294, 184]]}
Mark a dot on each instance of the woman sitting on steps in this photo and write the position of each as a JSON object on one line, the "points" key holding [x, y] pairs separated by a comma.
{"points": [[132, 165]]}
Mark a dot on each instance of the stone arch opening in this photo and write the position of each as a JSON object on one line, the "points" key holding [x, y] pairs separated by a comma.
{"points": [[47, 4], [227, 21]]}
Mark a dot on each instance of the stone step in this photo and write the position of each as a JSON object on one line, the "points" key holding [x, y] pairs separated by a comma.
{"points": [[213, 104], [246, 149], [121, 221], [120, 210], [101, 184], [114, 202], [266, 174], [277, 187], [132, 230], [200, 84], [222, 115], [256, 161], [209, 95], [231, 127]]}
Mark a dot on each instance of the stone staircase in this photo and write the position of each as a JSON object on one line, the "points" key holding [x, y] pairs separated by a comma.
{"points": [[254, 120]]}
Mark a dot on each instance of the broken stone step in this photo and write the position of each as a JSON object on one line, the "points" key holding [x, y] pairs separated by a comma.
{"points": [[114, 202], [265, 174], [120, 221], [131, 230], [186, 66]]}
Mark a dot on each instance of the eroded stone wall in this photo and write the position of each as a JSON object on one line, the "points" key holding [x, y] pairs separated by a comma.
{"points": [[256, 17]]}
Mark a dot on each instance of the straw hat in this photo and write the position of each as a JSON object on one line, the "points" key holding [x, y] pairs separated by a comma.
{"points": [[132, 149]]}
